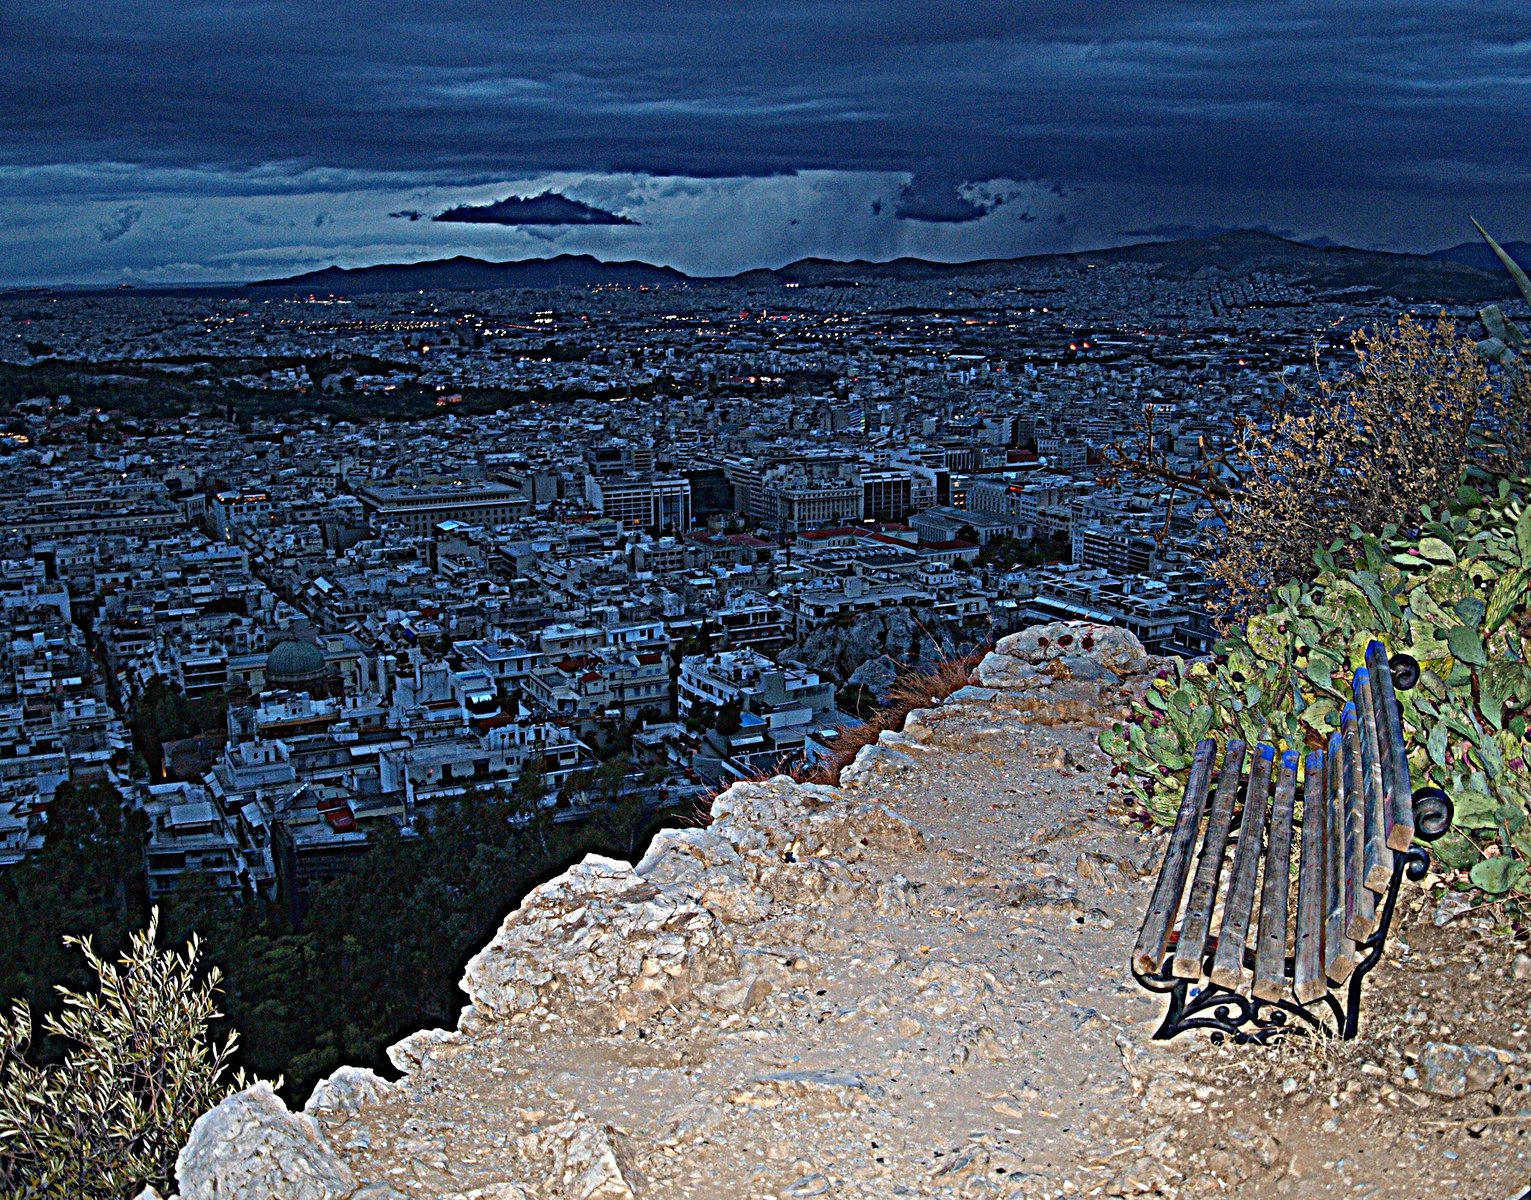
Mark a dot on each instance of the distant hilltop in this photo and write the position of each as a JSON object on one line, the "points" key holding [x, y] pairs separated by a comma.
{"points": [[1458, 274], [464, 273]]}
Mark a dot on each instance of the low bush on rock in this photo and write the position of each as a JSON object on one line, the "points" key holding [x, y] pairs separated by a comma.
{"points": [[110, 1118], [1456, 596]]}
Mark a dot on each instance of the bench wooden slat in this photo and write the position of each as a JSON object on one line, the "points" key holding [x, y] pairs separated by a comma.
{"points": [[1191, 949], [1399, 805], [1154, 936], [1360, 908], [1339, 951], [1308, 971], [1379, 859], [1271, 980], [1228, 965]]}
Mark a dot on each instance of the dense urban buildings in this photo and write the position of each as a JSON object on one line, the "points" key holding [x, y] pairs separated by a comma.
{"points": [[285, 571]]}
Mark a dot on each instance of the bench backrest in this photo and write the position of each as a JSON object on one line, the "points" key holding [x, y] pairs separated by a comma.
{"points": [[1356, 811]]}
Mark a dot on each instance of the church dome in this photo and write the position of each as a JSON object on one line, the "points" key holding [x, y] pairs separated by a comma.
{"points": [[294, 664]]}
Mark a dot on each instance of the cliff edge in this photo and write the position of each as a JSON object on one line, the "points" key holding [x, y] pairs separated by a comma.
{"points": [[913, 984]]}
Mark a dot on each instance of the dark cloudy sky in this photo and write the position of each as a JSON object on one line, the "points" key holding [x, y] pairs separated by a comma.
{"points": [[205, 140]]}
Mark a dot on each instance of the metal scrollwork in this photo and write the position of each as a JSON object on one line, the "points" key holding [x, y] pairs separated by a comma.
{"points": [[1246, 1018]]}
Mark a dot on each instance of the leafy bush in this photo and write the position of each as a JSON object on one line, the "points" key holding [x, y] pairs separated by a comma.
{"points": [[1455, 597], [112, 1117]]}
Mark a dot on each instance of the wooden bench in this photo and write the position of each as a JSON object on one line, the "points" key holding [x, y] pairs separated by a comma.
{"points": [[1357, 828]]}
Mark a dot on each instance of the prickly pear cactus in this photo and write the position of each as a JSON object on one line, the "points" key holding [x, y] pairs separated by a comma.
{"points": [[1455, 594]]}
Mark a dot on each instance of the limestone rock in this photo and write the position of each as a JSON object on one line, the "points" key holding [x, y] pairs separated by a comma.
{"points": [[602, 943], [877, 675], [837, 1089], [347, 1090], [1066, 671], [583, 1161], [1114, 648], [703, 865], [1452, 906], [409, 1054], [874, 760], [251, 1145], [767, 821]]}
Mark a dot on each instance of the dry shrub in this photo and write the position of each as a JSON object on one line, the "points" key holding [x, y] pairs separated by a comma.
{"points": [[911, 690], [1368, 450]]}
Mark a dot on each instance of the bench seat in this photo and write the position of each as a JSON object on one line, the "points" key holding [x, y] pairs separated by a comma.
{"points": [[1225, 941]]}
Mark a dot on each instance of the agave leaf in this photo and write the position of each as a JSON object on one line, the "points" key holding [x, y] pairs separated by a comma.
{"points": [[1523, 536], [1522, 281]]}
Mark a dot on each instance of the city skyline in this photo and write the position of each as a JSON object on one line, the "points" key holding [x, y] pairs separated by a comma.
{"points": [[225, 143]]}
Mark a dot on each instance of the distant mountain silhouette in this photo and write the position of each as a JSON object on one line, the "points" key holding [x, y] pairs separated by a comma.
{"points": [[1237, 255], [1477, 254], [465, 274], [1231, 256]]}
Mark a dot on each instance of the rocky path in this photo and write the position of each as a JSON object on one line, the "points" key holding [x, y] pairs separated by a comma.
{"points": [[934, 1014], [913, 985]]}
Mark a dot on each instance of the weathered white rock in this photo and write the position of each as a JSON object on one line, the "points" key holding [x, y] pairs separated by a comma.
{"points": [[1452, 906], [347, 1090], [702, 864], [767, 821], [838, 1089], [1112, 647], [584, 1161], [408, 1055], [1065, 671], [1000, 670], [251, 1145], [871, 761], [602, 943]]}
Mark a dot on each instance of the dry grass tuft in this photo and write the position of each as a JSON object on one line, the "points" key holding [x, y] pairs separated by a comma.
{"points": [[911, 690]]}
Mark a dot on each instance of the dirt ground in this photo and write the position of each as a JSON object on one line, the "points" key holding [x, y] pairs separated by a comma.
{"points": [[958, 1021]]}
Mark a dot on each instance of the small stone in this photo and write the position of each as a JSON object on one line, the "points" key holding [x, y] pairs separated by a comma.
{"points": [[1522, 969], [1453, 1071], [1452, 906]]}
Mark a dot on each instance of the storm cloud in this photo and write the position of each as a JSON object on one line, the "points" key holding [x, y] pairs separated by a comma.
{"points": [[547, 208], [1380, 122]]}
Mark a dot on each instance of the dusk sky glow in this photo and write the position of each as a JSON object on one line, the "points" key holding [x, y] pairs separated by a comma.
{"points": [[157, 142]]}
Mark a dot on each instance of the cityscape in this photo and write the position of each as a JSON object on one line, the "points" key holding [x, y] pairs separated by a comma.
{"points": [[692, 531], [717, 602]]}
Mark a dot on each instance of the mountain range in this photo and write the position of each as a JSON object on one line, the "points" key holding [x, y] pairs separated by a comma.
{"points": [[1457, 274]]}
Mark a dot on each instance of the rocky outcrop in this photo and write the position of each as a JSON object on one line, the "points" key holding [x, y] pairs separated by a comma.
{"points": [[606, 949], [251, 1145], [911, 984], [601, 941], [1067, 671], [875, 641]]}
